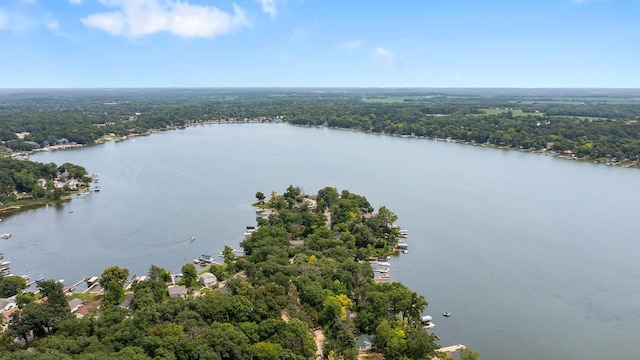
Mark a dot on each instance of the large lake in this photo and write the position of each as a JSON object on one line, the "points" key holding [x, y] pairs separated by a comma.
{"points": [[536, 257]]}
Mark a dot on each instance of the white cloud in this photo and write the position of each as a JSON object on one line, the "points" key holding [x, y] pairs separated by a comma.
{"points": [[75, 2], [269, 7], [385, 56], [52, 24], [136, 18], [17, 21], [351, 44]]}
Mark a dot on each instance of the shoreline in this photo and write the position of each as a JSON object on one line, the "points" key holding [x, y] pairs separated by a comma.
{"points": [[546, 152], [15, 209], [113, 137]]}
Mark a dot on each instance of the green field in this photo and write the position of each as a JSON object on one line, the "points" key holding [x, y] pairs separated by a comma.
{"points": [[515, 112], [392, 99]]}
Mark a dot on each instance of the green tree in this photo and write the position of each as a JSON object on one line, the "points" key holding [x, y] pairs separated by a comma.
{"points": [[113, 274], [11, 285], [53, 291], [265, 350], [189, 274], [260, 196], [228, 255], [467, 354], [112, 281]]}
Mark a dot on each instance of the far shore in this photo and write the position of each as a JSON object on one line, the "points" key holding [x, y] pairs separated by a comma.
{"points": [[113, 137]]}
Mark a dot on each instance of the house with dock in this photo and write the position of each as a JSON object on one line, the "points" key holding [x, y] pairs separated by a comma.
{"points": [[207, 279]]}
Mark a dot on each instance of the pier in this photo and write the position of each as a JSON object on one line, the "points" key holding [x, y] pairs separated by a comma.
{"points": [[450, 349]]}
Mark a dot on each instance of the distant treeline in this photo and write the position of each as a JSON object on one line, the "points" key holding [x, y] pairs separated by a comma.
{"points": [[589, 126]]}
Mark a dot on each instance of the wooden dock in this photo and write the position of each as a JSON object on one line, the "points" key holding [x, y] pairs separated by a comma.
{"points": [[450, 349]]}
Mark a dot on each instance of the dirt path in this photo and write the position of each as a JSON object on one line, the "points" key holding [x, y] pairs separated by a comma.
{"points": [[285, 316], [318, 336], [327, 214]]}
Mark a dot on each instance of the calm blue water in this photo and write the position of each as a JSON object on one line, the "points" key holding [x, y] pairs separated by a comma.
{"points": [[535, 257]]}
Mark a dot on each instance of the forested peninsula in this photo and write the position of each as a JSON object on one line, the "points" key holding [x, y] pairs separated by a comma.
{"points": [[303, 289], [25, 184]]}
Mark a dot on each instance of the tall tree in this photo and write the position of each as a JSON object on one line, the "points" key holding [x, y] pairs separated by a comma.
{"points": [[112, 281], [189, 274]]}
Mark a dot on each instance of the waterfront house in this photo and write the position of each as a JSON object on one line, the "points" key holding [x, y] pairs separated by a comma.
{"points": [[73, 184], [88, 308], [178, 291], [75, 304], [207, 279], [6, 316], [128, 299], [7, 304]]}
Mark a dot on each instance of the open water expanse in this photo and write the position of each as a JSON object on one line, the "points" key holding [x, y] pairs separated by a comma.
{"points": [[536, 257]]}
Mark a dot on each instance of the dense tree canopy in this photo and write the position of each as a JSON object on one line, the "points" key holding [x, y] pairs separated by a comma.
{"points": [[272, 297]]}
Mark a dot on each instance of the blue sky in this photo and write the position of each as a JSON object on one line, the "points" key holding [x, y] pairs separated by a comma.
{"points": [[319, 43]]}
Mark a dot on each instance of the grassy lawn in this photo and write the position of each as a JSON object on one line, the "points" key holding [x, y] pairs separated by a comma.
{"points": [[394, 99], [578, 117], [86, 297]]}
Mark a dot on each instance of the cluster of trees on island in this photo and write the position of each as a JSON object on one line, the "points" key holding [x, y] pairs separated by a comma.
{"points": [[27, 180], [272, 299], [594, 127]]}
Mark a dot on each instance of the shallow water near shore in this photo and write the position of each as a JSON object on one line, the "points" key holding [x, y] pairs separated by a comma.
{"points": [[535, 257]]}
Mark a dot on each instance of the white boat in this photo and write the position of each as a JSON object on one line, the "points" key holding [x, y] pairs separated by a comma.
{"points": [[191, 238], [5, 236], [5, 263], [446, 314]]}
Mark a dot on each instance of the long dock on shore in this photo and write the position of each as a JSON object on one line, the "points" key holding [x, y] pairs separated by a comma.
{"points": [[452, 348]]}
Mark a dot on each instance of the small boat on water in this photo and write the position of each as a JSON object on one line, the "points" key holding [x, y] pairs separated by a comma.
{"points": [[191, 238], [446, 314], [71, 211], [5, 236], [5, 263]]}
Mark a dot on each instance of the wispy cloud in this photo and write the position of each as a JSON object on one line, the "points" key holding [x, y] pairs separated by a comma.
{"points": [[52, 24], [15, 21], [351, 44], [300, 35], [270, 7], [137, 18], [75, 2], [580, 2], [385, 56]]}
